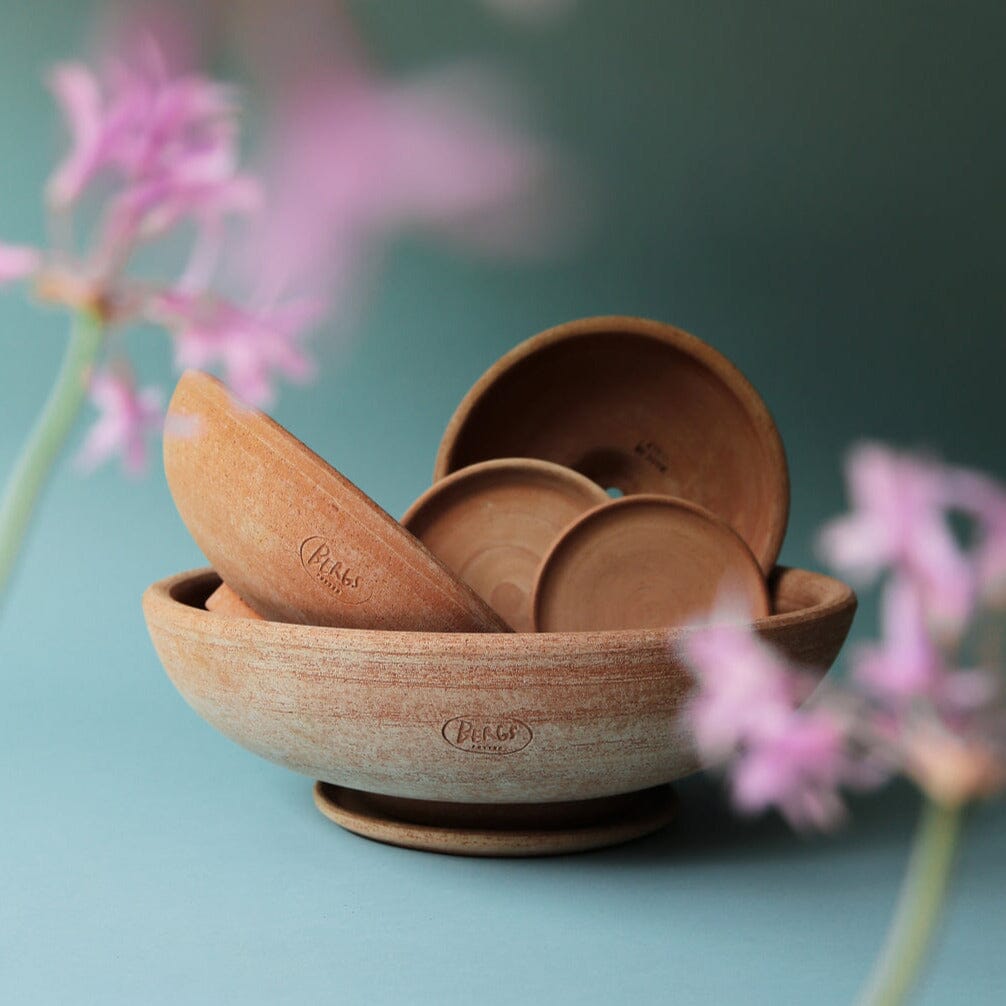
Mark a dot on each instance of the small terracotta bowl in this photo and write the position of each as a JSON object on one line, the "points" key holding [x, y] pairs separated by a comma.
{"points": [[493, 522], [295, 539], [638, 406], [643, 562], [474, 743]]}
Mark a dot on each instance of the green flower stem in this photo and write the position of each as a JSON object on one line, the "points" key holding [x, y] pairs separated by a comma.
{"points": [[919, 904], [46, 440]]}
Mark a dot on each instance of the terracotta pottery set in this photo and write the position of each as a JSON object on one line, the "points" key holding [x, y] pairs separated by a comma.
{"points": [[498, 673]]}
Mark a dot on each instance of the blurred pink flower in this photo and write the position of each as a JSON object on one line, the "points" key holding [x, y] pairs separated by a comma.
{"points": [[743, 714], [984, 500], [955, 768], [797, 767], [907, 666], [78, 95], [745, 688], [358, 158], [126, 418], [164, 140], [17, 262], [992, 557], [251, 345], [168, 141], [898, 521]]}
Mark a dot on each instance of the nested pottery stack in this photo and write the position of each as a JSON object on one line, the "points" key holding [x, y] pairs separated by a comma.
{"points": [[500, 672]]}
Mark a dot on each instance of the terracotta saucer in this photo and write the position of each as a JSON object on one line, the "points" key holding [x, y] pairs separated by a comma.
{"points": [[493, 522], [639, 406], [294, 538], [479, 829], [644, 562]]}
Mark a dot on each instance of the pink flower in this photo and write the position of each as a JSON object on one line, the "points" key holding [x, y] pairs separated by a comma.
{"points": [[77, 93], [797, 767], [251, 345], [953, 768], [992, 557], [745, 688], [17, 261], [910, 706], [126, 418], [907, 666], [167, 141], [898, 521], [984, 500], [744, 715], [357, 159]]}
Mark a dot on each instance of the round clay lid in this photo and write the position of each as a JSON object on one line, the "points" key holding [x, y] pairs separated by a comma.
{"points": [[493, 522], [635, 405], [641, 562]]}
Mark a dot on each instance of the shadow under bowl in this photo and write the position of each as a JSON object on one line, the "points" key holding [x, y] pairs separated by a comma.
{"points": [[473, 743]]}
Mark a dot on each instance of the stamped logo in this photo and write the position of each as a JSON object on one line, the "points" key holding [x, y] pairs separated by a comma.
{"points": [[319, 557], [476, 735], [654, 454]]}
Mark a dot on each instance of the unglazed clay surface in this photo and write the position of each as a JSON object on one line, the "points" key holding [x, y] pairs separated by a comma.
{"points": [[636, 405], [493, 522], [644, 562], [223, 601], [294, 538], [480, 829], [462, 717]]}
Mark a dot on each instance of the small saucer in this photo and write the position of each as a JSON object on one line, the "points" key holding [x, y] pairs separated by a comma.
{"points": [[644, 562], [492, 523], [513, 830]]}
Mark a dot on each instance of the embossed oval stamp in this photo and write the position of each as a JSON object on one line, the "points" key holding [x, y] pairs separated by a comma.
{"points": [[479, 735], [320, 558]]}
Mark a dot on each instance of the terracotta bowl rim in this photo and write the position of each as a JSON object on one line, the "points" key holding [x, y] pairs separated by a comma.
{"points": [[658, 331], [161, 603]]}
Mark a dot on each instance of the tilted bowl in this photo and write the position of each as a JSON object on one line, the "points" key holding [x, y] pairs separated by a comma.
{"points": [[481, 743], [293, 537]]}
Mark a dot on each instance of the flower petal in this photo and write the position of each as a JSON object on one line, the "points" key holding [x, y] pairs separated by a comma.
{"points": [[17, 261]]}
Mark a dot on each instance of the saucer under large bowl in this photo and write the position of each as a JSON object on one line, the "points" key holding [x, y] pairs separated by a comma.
{"points": [[637, 406], [473, 743]]}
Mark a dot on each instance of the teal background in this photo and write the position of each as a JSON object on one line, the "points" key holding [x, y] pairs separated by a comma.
{"points": [[815, 189]]}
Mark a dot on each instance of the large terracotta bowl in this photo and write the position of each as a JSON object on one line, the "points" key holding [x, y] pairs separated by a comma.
{"points": [[479, 743]]}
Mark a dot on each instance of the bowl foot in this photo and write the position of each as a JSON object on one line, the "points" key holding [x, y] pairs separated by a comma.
{"points": [[485, 829]]}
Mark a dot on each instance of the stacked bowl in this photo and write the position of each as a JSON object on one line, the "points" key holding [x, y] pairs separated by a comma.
{"points": [[500, 672]]}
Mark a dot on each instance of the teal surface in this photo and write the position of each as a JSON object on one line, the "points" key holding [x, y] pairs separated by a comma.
{"points": [[814, 188]]}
